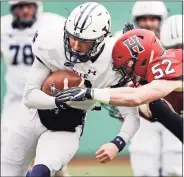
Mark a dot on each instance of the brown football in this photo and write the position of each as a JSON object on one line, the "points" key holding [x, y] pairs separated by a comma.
{"points": [[55, 82]]}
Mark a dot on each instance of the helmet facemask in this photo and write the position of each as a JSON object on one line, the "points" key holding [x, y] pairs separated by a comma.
{"points": [[127, 72], [19, 22], [79, 57]]}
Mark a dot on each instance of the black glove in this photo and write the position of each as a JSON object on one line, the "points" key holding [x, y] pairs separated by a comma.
{"points": [[73, 94], [60, 104], [128, 27]]}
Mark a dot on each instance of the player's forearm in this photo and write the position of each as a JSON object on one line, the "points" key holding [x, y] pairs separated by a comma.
{"points": [[136, 96], [122, 98], [119, 96], [131, 123], [33, 97], [127, 96], [129, 128], [37, 99]]}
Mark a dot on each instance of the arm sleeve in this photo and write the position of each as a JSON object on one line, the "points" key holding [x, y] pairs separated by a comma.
{"points": [[168, 118], [33, 97], [131, 122]]}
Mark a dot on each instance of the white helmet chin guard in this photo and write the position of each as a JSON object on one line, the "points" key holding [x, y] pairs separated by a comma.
{"points": [[89, 22], [23, 23], [171, 32]]}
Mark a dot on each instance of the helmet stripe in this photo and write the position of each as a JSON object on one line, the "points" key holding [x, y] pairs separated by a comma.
{"points": [[81, 15], [176, 26], [85, 20], [171, 31]]}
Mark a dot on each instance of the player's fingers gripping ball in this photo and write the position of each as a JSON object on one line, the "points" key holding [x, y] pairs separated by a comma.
{"points": [[66, 87], [65, 83]]}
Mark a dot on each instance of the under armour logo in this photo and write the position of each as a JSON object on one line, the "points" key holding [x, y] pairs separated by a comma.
{"points": [[117, 139], [93, 72], [132, 46], [62, 107], [53, 89]]}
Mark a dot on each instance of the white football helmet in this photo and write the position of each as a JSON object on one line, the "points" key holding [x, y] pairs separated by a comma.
{"points": [[171, 32], [153, 8], [89, 22], [16, 18]]}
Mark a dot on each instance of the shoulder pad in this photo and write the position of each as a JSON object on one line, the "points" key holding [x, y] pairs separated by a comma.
{"points": [[168, 66], [50, 31], [6, 22], [49, 37], [109, 43], [118, 33]]}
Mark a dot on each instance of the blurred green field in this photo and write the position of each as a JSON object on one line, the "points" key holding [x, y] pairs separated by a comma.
{"points": [[91, 167]]}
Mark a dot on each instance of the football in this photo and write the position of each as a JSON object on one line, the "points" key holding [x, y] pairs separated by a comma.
{"points": [[55, 82]]}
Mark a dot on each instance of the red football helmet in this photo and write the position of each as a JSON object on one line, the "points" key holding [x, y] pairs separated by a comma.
{"points": [[133, 52]]}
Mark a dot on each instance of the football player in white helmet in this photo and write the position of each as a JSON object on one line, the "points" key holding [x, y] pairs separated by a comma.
{"points": [[171, 32], [148, 15], [17, 31], [46, 125]]}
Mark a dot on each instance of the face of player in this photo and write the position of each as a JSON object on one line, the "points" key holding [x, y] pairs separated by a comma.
{"points": [[151, 23], [80, 46], [25, 11]]}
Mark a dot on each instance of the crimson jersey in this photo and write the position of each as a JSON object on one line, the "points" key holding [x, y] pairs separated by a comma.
{"points": [[168, 67]]}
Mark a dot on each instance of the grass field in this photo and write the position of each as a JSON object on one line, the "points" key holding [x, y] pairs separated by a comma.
{"points": [[91, 167]]}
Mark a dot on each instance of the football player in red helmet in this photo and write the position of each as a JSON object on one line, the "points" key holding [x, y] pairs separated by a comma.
{"points": [[139, 55]]}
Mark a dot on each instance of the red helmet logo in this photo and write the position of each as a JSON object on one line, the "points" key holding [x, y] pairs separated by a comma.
{"points": [[132, 46]]}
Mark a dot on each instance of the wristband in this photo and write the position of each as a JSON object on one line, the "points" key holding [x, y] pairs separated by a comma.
{"points": [[101, 95], [88, 94], [119, 142]]}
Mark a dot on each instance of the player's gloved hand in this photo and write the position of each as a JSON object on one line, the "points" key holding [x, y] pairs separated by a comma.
{"points": [[128, 27], [62, 103], [74, 94], [107, 152]]}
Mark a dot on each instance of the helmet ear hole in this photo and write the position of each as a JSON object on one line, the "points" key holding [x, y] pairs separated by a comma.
{"points": [[142, 37], [144, 62]]}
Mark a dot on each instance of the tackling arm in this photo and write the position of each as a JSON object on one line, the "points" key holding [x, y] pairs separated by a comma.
{"points": [[33, 97], [136, 96]]}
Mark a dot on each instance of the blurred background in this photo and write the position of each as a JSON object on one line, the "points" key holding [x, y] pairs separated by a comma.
{"points": [[100, 127]]}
